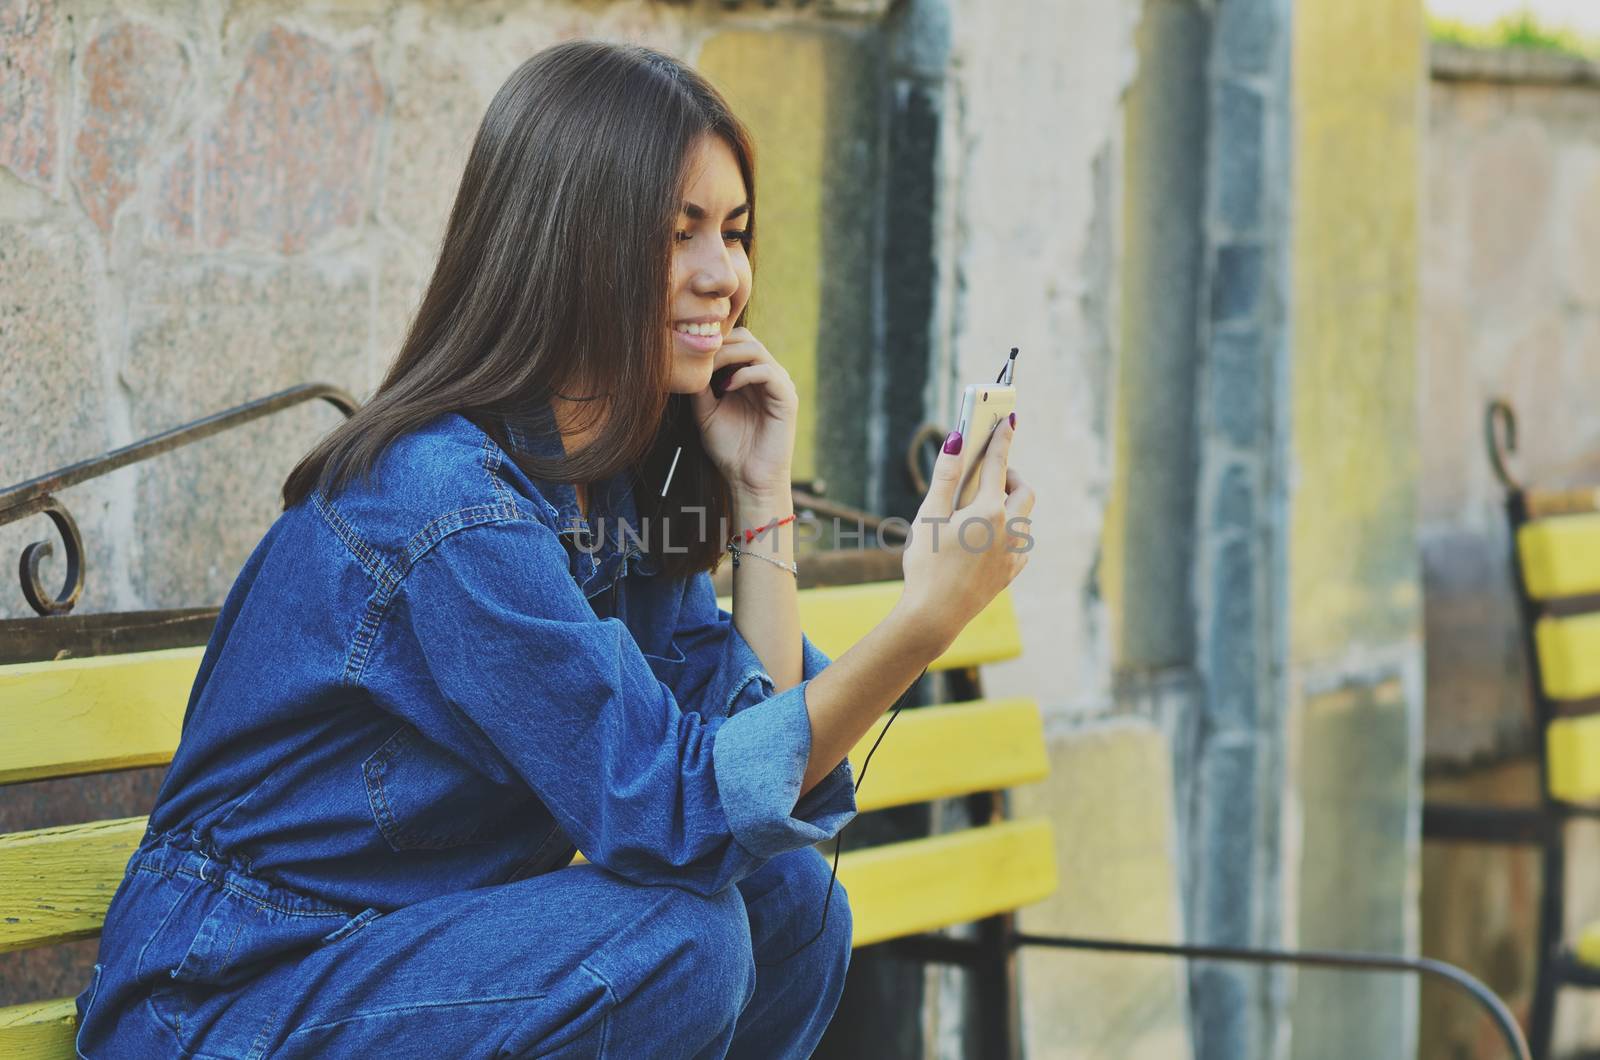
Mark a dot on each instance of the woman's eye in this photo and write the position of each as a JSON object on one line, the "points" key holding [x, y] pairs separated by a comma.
{"points": [[741, 237]]}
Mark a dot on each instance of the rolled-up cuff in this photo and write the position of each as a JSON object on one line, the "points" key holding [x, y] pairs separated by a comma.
{"points": [[760, 759], [754, 685]]}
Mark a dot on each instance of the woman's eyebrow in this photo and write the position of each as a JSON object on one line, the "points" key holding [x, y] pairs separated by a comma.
{"points": [[698, 213]]}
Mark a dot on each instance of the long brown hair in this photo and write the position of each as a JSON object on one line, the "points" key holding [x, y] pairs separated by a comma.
{"points": [[553, 281]]}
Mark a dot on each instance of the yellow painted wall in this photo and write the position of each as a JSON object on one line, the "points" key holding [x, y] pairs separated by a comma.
{"points": [[1353, 461], [1357, 120], [777, 83]]}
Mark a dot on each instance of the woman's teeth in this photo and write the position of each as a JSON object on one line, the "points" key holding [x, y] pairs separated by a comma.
{"points": [[700, 329]]}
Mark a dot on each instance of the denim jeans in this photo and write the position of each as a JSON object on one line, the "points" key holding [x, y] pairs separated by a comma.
{"points": [[418, 700], [580, 963]]}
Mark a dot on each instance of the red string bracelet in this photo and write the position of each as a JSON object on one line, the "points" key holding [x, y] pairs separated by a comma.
{"points": [[751, 535]]}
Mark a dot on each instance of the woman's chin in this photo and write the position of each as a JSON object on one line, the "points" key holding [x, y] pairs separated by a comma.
{"points": [[690, 378]]}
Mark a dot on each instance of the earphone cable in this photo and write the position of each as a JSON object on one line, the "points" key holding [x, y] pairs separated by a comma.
{"points": [[839, 838]]}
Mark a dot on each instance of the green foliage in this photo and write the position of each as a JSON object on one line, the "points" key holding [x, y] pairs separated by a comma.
{"points": [[1522, 30]]}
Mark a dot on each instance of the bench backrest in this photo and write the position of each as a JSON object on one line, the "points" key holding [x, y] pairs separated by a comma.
{"points": [[78, 716], [1559, 560]]}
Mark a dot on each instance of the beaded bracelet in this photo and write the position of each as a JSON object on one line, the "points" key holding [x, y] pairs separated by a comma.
{"points": [[733, 547], [750, 535]]}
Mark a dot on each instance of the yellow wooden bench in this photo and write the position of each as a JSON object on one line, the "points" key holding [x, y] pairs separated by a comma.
{"points": [[1558, 566], [1555, 559], [78, 716]]}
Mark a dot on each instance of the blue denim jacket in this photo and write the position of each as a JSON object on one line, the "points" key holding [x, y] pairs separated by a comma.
{"points": [[410, 692]]}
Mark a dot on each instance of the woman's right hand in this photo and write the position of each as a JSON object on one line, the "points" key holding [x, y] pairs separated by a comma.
{"points": [[952, 573]]}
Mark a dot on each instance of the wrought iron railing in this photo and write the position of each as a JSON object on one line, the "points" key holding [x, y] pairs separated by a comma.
{"points": [[37, 496]]}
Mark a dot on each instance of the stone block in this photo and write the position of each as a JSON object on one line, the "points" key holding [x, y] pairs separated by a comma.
{"points": [[177, 207], [402, 280], [28, 90], [53, 407], [435, 112], [1240, 138], [1450, 373], [1357, 868], [206, 337], [1232, 643], [1240, 382], [1109, 797], [1511, 175], [1580, 228], [1224, 841], [290, 160], [1222, 1000], [1236, 284], [131, 74], [1246, 36], [1233, 509]]}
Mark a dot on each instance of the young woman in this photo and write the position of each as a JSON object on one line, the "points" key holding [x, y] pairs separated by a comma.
{"points": [[455, 658]]}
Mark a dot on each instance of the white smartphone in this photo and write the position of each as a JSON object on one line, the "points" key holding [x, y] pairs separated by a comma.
{"points": [[983, 406]]}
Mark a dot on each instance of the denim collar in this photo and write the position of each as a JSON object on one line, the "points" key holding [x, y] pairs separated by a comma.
{"points": [[611, 502]]}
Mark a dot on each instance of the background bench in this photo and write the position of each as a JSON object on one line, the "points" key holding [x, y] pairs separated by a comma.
{"points": [[1555, 560]]}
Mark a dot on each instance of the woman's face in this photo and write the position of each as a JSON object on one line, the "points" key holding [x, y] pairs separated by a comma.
{"points": [[710, 263]]}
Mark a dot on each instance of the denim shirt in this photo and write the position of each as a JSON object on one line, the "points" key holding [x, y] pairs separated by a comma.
{"points": [[419, 686]]}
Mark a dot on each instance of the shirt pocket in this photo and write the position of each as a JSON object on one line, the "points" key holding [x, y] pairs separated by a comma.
{"points": [[425, 798]]}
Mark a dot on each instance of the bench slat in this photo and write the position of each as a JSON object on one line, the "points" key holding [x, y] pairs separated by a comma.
{"points": [[1569, 656], [1572, 746], [922, 884], [39, 1030], [956, 749], [1561, 556], [92, 715], [55, 883], [837, 616], [110, 712]]}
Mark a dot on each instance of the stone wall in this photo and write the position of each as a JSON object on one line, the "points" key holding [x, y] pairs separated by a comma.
{"points": [[1511, 287], [203, 202]]}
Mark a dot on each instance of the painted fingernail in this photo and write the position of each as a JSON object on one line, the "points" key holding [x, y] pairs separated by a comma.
{"points": [[952, 444], [1013, 421]]}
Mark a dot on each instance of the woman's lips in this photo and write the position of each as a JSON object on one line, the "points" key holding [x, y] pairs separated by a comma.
{"points": [[700, 343]]}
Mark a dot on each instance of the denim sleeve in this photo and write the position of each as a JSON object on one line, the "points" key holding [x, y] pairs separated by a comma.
{"points": [[523, 671]]}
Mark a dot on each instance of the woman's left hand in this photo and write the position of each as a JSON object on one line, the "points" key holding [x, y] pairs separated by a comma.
{"points": [[749, 432]]}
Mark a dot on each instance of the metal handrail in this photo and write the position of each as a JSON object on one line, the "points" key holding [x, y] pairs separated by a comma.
{"points": [[1364, 962], [36, 495]]}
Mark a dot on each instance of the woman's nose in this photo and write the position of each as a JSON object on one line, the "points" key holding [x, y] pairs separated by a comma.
{"points": [[714, 275]]}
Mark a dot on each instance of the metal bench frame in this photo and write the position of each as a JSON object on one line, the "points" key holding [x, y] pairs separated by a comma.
{"points": [[1543, 825]]}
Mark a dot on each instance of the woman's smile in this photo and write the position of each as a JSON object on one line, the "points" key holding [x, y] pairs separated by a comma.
{"points": [[702, 335]]}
